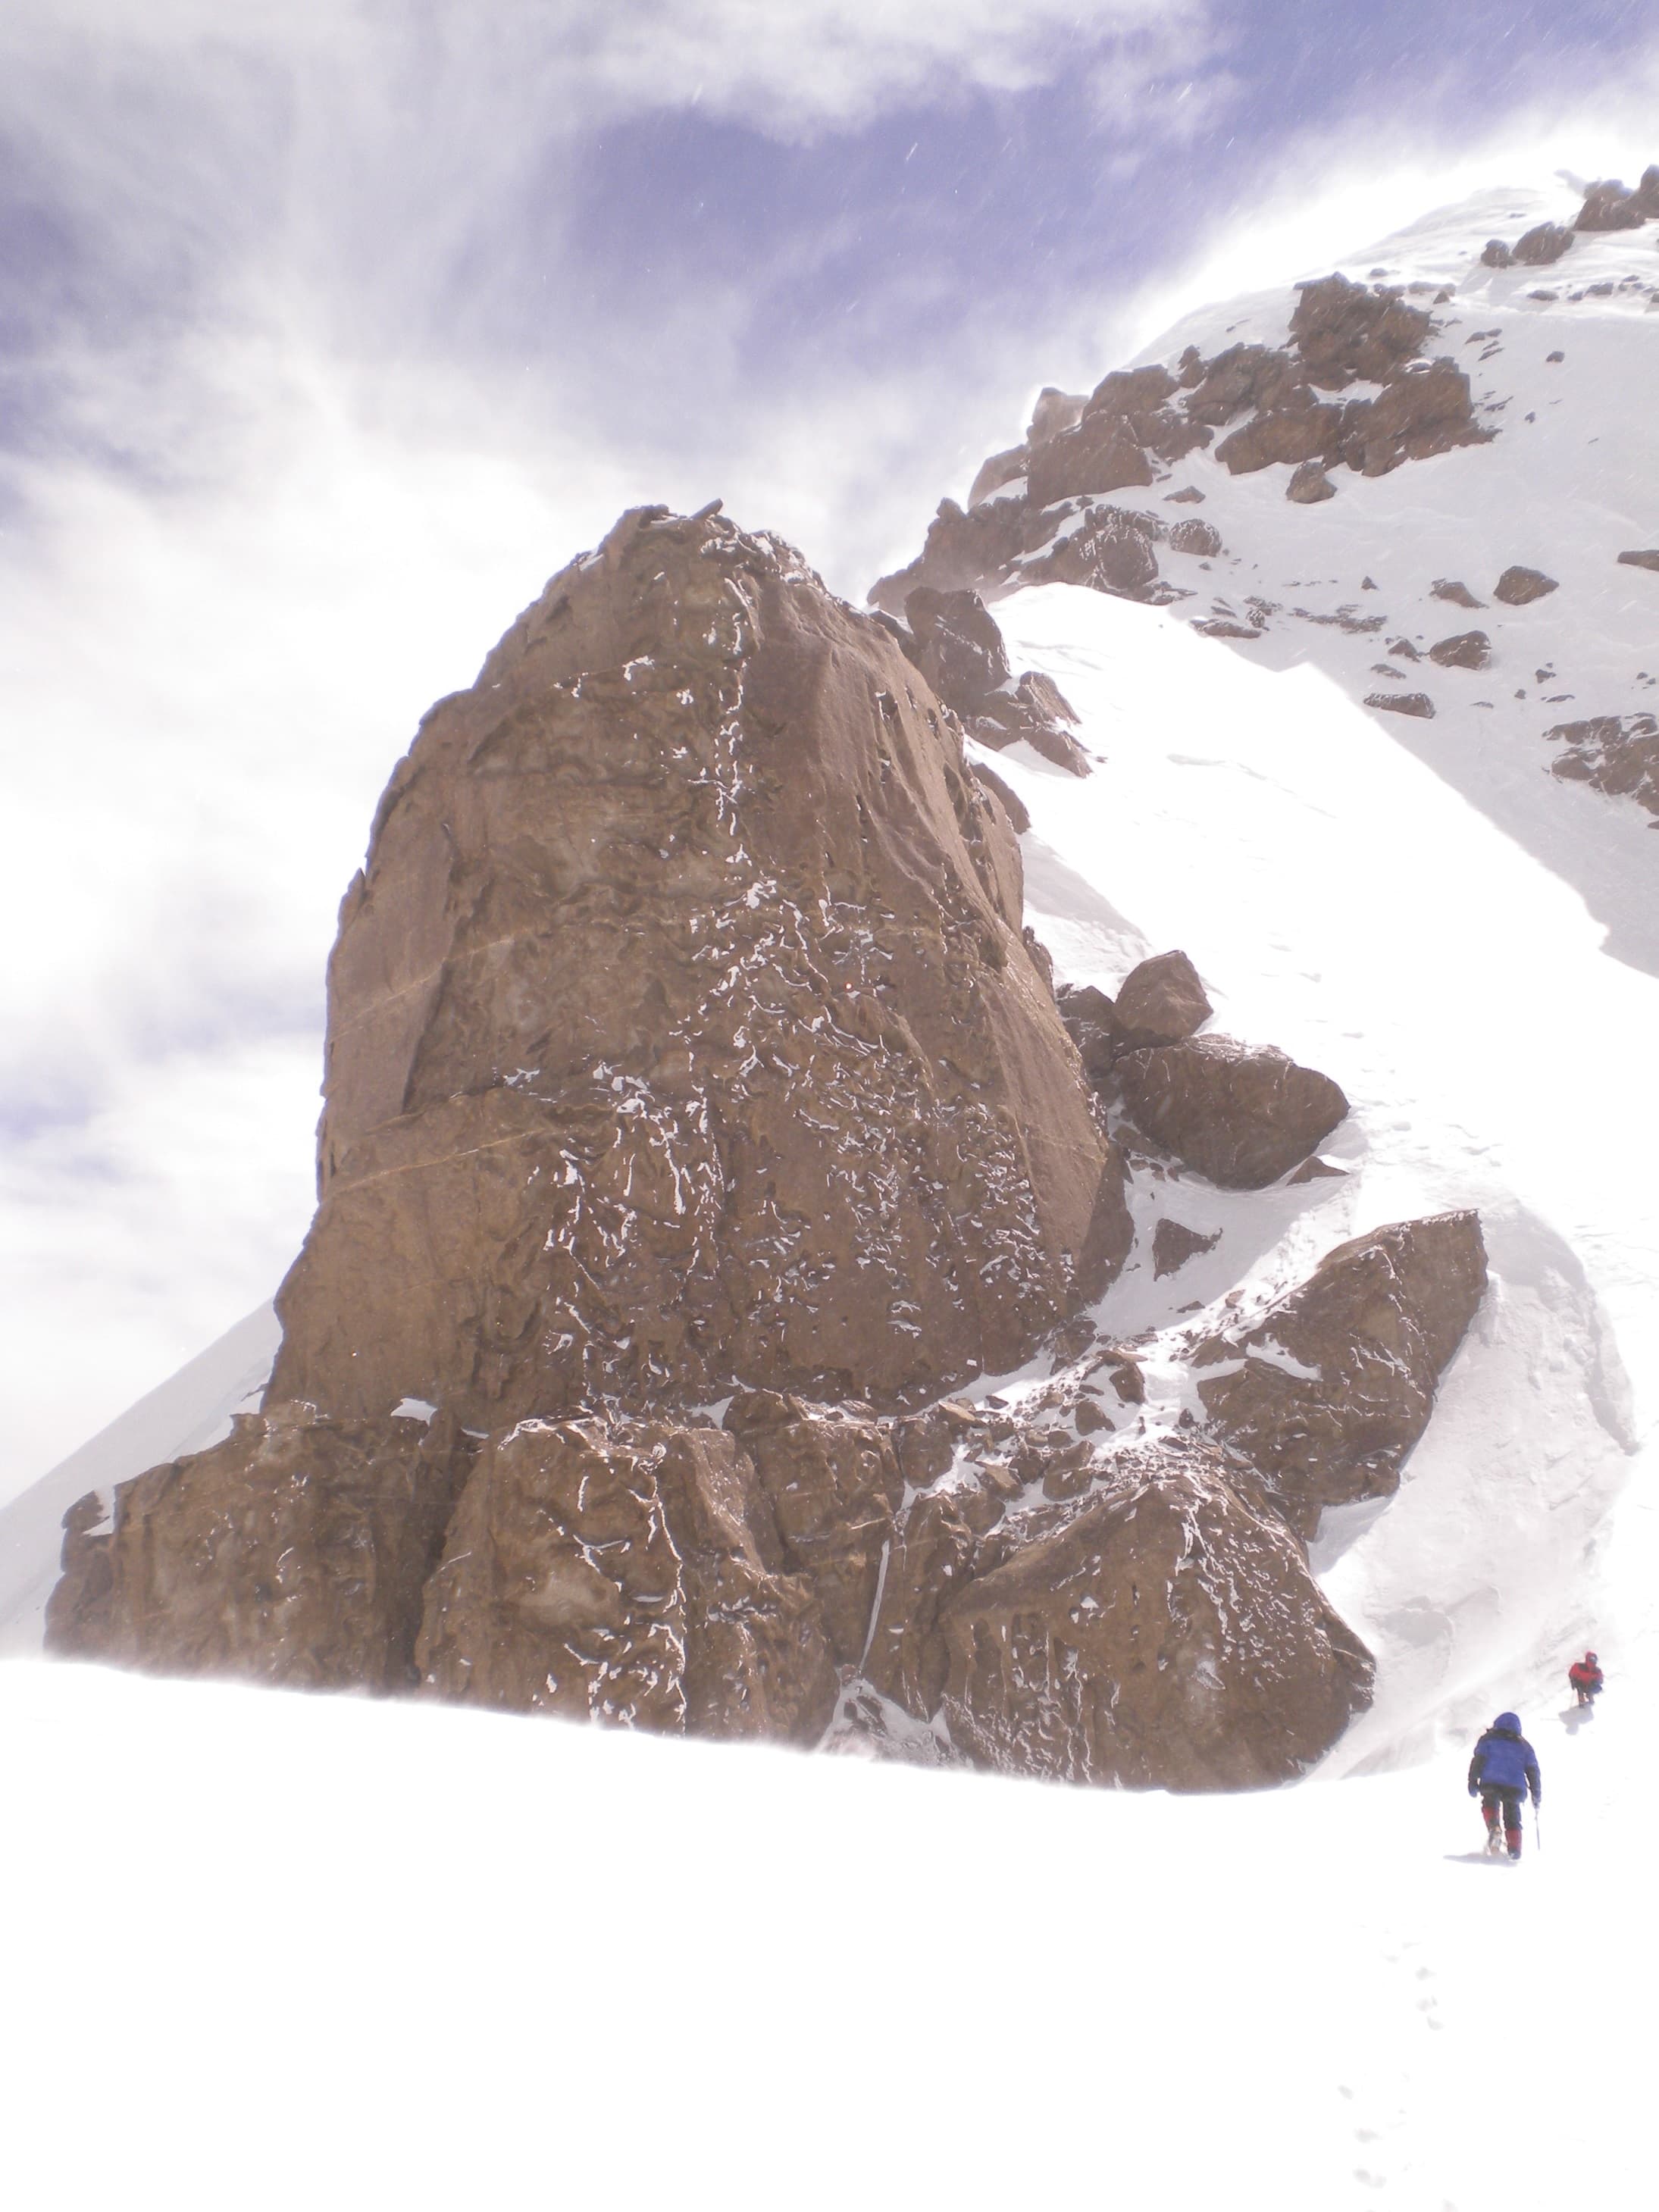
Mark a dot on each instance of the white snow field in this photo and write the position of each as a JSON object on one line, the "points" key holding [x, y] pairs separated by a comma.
{"points": [[274, 1950]]}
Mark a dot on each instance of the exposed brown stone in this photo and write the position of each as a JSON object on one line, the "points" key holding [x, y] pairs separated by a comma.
{"points": [[959, 650], [1615, 753], [1470, 648], [628, 1572], [1648, 557], [1458, 594], [1202, 538], [1292, 433], [1519, 587], [1005, 468], [1327, 1392], [1429, 411], [699, 848], [1346, 332], [1173, 1244], [294, 1551], [1055, 410], [1646, 195], [1164, 1634], [1608, 206], [1161, 1001], [1108, 549], [1099, 454], [833, 1482], [1544, 243], [1241, 1115], [1309, 485], [1402, 702], [1090, 1019], [929, 1561], [1495, 254]]}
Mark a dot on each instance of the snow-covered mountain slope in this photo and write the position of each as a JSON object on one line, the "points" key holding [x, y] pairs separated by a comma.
{"points": [[1559, 358], [1340, 898], [277, 1945]]}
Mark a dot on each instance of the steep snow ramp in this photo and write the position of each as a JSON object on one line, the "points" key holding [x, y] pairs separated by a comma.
{"points": [[1342, 900]]}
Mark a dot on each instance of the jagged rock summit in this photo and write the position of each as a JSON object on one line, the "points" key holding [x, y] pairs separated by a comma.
{"points": [[682, 1032], [699, 1113]]}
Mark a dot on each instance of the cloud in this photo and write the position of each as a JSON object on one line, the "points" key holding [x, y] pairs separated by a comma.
{"points": [[334, 329]]}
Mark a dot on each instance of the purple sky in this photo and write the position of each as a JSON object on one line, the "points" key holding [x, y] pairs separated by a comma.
{"points": [[328, 331]]}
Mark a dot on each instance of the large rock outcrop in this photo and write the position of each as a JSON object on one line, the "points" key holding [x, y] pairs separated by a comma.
{"points": [[1241, 1115], [1163, 1631], [1328, 1391], [681, 1029], [1041, 513]]}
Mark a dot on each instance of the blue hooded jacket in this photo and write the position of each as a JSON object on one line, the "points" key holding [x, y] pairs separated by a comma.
{"points": [[1503, 1760]]}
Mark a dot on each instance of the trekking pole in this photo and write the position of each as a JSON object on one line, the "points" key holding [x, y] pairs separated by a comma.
{"points": [[1537, 1827]]}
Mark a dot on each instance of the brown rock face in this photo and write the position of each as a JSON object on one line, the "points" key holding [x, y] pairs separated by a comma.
{"points": [[1309, 485], [1161, 1001], [1100, 454], [1090, 1019], [1346, 332], [1241, 1115], [1402, 702], [1615, 753], [626, 1572], [294, 1551], [1608, 206], [1495, 254], [1519, 588], [833, 1482], [1291, 435], [959, 650], [684, 991], [1470, 648], [1456, 593], [1648, 557], [1544, 243], [1164, 1632], [1331, 1389], [1173, 1244]]}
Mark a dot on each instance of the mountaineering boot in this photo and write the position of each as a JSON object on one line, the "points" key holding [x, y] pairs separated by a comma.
{"points": [[1512, 1839]]}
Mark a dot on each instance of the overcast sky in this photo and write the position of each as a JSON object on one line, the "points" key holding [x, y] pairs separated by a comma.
{"points": [[327, 331]]}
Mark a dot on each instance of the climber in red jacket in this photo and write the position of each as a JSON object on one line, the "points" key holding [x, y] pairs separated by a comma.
{"points": [[1586, 1678]]}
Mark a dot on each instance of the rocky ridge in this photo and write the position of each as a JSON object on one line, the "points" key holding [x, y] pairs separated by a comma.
{"points": [[1435, 344], [700, 1118]]}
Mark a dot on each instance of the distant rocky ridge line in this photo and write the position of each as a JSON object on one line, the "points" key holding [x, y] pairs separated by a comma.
{"points": [[698, 1116], [1039, 513]]}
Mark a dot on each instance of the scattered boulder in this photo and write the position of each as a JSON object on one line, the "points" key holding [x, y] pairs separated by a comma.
{"points": [[1402, 702], [1241, 1115], [1608, 206], [1326, 1392], [1309, 485], [1202, 538], [294, 1551], [1617, 754], [1647, 558], [1495, 254], [1427, 410], [1165, 1633], [1458, 594], [1470, 648], [1110, 549], [1519, 586], [1161, 1001], [1646, 195], [1173, 1244], [1091, 1023], [1546, 242]]}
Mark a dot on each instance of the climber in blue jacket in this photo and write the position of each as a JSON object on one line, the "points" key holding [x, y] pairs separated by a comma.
{"points": [[1503, 1768]]}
